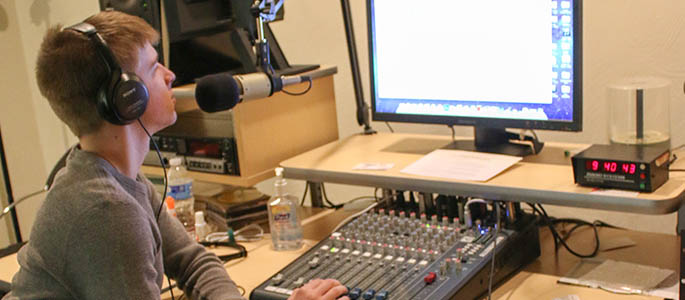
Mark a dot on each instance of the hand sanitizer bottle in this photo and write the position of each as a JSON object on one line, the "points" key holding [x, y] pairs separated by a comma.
{"points": [[284, 223]]}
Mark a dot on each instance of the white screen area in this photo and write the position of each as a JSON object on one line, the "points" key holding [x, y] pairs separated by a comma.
{"points": [[473, 50]]}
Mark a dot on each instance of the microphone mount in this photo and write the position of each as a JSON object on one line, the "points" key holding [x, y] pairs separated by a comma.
{"points": [[362, 107], [265, 11]]}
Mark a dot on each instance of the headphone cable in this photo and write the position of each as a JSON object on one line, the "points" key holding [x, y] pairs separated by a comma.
{"points": [[159, 211]]}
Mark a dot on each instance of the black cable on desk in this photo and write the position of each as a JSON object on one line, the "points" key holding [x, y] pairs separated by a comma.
{"points": [[226, 258], [558, 239], [325, 197]]}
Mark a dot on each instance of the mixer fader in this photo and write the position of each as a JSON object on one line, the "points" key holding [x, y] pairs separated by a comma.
{"points": [[388, 254]]}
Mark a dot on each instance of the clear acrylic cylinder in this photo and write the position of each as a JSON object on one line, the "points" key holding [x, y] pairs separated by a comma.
{"points": [[639, 111]]}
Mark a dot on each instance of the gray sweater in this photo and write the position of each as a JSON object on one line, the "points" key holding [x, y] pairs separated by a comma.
{"points": [[96, 237]]}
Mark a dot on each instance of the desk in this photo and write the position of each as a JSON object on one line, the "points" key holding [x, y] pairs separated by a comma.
{"points": [[261, 263], [536, 281], [546, 178]]}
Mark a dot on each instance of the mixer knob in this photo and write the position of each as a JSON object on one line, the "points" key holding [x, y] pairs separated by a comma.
{"points": [[354, 293], [423, 218], [403, 214], [430, 278], [382, 295], [445, 221], [432, 255], [278, 279], [443, 247], [443, 268], [368, 295], [434, 219], [299, 282], [391, 213], [313, 263], [412, 216]]}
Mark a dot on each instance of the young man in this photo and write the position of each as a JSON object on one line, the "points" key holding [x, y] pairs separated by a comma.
{"points": [[101, 233]]}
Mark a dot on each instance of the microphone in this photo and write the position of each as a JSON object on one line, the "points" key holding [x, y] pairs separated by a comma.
{"points": [[223, 91]]}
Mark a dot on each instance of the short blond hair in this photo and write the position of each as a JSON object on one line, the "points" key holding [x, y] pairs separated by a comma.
{"points": [[69, 70]]}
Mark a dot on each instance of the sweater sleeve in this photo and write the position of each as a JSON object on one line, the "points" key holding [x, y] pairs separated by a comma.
{"points": [[198, 272]]}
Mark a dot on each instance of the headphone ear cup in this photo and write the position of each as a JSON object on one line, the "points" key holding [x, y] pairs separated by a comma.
{"points": [[129, 98], [104, 102]]}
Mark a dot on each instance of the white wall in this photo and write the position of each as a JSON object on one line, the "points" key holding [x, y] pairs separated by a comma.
{"points": [[622, 37]]}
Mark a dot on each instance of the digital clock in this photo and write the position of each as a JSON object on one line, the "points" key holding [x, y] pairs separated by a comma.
{"points": [[630, 167]]}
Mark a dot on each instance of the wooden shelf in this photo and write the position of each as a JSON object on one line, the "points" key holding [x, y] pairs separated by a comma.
{"points": [[268, 131]]}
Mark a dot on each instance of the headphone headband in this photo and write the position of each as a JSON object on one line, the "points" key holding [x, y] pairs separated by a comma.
{"points": [[123, 97], [103, 49]]}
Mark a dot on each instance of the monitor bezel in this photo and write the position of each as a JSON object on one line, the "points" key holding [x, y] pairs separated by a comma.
{"points": [[573, 125]]}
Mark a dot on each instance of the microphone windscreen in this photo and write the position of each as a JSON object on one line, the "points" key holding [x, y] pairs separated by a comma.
{"points": [[217, 92]]}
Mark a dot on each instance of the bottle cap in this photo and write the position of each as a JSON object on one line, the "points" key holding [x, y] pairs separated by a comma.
{"points": [[176, 161], [170, 202], [200, 218]]}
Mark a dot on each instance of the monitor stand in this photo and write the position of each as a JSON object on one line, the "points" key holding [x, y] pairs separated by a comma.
{"points": [[497, 140]]}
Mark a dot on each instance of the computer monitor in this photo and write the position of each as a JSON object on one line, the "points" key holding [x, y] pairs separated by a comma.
{"points": [[206, 36], [491, 64], [213, 36]]}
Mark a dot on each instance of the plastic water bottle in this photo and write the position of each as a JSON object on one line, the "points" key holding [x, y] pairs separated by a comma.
{"points": [[181, 189], [285, 225]]}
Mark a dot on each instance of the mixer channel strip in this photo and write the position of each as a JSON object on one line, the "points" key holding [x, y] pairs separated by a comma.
{"points": [[386, 257]]}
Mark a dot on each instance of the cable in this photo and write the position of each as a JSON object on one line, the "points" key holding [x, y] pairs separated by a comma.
{"points": [[348, 219], [306, 188], [562, 240], [309, 79], [390, 128], [159, 211], [494, 248], [239, 235], [7, 209], [226, 258], [453, 133], [325, 197]]}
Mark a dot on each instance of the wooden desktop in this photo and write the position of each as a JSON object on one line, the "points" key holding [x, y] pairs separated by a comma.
{"points": [[536, 281]]}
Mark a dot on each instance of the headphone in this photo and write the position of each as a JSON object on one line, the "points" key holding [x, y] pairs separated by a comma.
{"points": [[123, 97]]}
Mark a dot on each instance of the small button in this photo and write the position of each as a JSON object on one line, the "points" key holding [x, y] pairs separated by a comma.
{"points": [[430, 278]]}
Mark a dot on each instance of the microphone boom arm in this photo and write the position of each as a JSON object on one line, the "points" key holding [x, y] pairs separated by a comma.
{"points": [[362, 107]]}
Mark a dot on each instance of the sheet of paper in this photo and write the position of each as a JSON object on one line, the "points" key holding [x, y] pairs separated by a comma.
{"points": [[373, 166], [461, 165], [617, 193]]}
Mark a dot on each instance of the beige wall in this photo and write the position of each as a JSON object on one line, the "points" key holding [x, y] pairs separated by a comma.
{"points": [[34, 138], [622, 37]]}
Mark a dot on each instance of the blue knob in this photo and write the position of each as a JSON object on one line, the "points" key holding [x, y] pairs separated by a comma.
{"points": [[354, 293], [368, 295], [382, 295]]}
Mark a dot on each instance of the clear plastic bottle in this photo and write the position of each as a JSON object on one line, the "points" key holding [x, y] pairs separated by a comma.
{"points": [[201, 227], [284, 223], [181, 189]]}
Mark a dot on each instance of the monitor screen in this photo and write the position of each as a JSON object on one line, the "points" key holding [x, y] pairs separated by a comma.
{"points": [[486, 63]]}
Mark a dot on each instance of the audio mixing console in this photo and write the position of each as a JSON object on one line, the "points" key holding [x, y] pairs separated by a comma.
{"points": [[388, 255]]}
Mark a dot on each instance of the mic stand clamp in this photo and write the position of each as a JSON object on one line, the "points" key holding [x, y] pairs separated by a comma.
{"points": [[264, 11]]}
